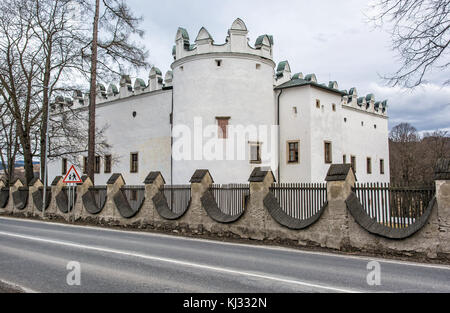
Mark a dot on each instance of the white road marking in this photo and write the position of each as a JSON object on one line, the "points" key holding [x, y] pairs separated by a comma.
{"points": [[356, 257], [177, 262]]}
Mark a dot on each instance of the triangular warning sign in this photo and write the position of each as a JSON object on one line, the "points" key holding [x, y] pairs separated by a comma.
{"points": [[72, 177]]}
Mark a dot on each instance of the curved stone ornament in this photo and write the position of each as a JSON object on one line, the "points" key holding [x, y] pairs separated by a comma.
{"points": [[373, 227], [209, 203], [20, 198], [4, 197], [38, 198], [124, 207], [62, 201], [282, 218], [90, 202], [161, 206]]}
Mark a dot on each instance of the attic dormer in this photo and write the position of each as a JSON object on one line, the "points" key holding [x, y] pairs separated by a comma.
{"points": [[168, 79], [311, 78], [112, 91], [181, 42], [101, 92], [298, 76], [370, 101], [384, 106], [283, 73], [265, 43], [139, 85], [125, 86], [238, 36], [353, 97], [155, 80], [78, 98], [333, 85]]}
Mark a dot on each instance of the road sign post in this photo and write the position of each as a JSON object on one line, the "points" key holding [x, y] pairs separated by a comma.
{"points": [[71, 179]]}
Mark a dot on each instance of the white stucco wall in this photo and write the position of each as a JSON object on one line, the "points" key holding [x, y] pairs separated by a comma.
{"points": [[236, 89], [148, 134], [313, 126]]}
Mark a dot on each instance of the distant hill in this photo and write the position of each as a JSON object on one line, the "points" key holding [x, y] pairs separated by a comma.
{"points": [[18, 164]]}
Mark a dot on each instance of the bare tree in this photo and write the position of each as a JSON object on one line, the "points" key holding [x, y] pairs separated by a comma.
{"points": [[111, 51], [420, 32], [9, 144], [403, 140], [412, 157]]}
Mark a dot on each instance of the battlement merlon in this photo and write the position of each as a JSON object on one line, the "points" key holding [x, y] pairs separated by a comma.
{"points": [[237, 41]]}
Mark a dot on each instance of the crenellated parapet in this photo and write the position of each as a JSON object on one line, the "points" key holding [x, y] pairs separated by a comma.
{"points": [[284, 79], [125, 89], [237, 41]]}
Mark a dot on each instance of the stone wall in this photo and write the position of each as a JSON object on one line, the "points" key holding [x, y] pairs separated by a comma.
{"points": [[339, 226]]}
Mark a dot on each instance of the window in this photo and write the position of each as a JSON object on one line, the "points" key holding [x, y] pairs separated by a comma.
{"points": [[134, 162], [344, 159], [333, 106], [375, 126], [64, 166], [222, 123], [218, 62], [362, 123], [345, 120], [381, 166], [369, 166], [258, 66], [353, 162], [293, 151], [255, 152], [108, 163], [327, 152], [318, 103], [84, 165], [97, 165]]}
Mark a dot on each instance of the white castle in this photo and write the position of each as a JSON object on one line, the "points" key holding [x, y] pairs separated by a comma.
{"points": [[302, 125]]}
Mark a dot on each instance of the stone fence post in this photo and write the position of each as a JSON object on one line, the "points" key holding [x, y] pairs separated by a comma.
{"points": [[153, 183], [195, 216], [442, 180], [252, 223], [340, 181], [113, 185]]}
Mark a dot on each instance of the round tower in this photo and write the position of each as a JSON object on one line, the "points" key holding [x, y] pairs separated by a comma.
{"points": [[215, 86]]}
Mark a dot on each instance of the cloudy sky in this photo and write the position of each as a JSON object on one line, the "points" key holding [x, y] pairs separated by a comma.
{"points": [[330, 38]]}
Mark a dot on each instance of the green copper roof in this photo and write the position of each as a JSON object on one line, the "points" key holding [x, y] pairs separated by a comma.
{"points": [[370, 96], [298, 76], [184, 33], [282, 66], [352, 91], [304, 82], [101, 87], [260, 39], [113, 89], [361, 101], [140, 82], [157, 71], [311, 77]]}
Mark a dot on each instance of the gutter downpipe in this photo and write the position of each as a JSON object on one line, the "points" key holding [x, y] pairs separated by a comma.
{"points": [[279, 135]]}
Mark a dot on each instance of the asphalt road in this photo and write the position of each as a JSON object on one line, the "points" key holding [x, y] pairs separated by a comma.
{"points": [[34, 257]]}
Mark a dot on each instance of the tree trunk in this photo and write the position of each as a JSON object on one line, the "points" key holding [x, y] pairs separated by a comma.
{"points": [[92, 95], [45, 105]]}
